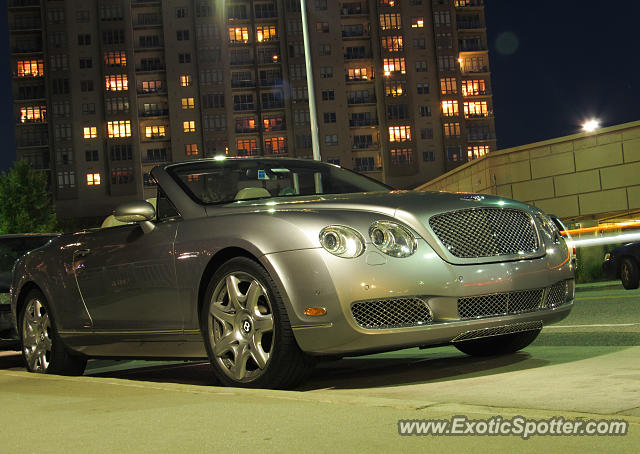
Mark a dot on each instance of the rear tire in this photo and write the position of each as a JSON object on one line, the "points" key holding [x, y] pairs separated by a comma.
{"points": [[629, 274], [246, 330], [42, 349], [497, 345]]}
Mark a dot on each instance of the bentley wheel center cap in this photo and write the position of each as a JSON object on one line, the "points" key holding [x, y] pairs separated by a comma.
{"points": [[246, 327]]}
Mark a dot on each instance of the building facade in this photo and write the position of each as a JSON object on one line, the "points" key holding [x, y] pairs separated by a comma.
{"points": [[106, 89]]}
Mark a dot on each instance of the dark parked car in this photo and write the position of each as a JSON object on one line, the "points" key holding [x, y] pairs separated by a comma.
{"points": [[12, 247], [622, 263]]}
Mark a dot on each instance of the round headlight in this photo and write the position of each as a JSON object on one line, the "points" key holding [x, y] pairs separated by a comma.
{"points": [[342, 241], [392, 239]]}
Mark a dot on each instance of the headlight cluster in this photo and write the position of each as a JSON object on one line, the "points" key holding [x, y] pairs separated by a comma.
{"points": [[549, 227], [388, 237]]}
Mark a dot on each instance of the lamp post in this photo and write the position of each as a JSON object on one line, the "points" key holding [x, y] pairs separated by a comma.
{"points": [[313, 118]]}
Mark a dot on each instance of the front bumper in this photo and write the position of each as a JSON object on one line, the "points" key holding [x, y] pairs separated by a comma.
{"points": [[315, 278]]}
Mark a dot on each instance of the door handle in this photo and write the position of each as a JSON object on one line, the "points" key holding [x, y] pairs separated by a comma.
{"points": [[82, 252]]}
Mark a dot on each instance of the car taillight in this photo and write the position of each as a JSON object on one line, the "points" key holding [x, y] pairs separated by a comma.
{"points": [[607, 256]]}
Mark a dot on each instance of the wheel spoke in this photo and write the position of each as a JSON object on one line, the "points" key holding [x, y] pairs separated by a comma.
{"points": [[217, 311], [32, 359], [263, 323], [46, 344], [239, 367], [258, 354], [235, 296], [253, 294], [224, 344]]}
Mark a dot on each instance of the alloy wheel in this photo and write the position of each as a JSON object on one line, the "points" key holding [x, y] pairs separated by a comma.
{"points": [[241, 326], [36, 336]]}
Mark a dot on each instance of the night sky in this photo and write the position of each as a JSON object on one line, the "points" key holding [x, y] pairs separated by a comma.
{"points": [[554, 63]]}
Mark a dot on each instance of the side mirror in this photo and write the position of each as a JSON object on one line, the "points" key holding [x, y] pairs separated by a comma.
{"points": [[139, 211]]}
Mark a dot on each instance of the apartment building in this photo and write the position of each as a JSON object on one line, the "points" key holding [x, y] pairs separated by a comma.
{"points": [[104, 90]]}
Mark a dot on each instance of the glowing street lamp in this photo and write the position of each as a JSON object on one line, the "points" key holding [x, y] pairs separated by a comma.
{"points": [[590, 125]]}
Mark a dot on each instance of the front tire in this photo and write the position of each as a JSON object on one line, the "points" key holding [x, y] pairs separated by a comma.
{"points": [[246, 329], [629, 274], [497, 345], [42, 349]]}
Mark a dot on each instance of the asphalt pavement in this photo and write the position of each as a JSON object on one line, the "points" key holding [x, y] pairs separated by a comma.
{"points": [[587, 366]]}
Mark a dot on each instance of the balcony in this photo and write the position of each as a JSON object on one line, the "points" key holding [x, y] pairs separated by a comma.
{"points": [[470, 94], [358, 79], [361, 100], [149, 68], [241, 130], [478, 115], [31, 49], [355, 34], [26, 24], [365, 146], [280, 127], [153, 113], [270, 82], [32, 142], [472, 136], [475, 70], [149, 23], [272, 105], [241, 61], [268, 59], [23, 3], [469, 25], [244, 106], [243, 83], [363, 123], [353, 9], [357, 56], [152, 92], [472, 47], [145, 2]]}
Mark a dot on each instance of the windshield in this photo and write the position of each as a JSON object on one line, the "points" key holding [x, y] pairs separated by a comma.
{"points": [[228, 180]]}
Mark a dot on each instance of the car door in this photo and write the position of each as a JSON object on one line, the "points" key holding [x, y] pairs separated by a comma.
{"points": [[127, 278]]}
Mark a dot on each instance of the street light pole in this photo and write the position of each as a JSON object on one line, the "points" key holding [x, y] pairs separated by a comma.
{"points": [[313, 117]]}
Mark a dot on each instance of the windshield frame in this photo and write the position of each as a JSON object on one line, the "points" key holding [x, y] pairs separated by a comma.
{"points": [[172, 169]]}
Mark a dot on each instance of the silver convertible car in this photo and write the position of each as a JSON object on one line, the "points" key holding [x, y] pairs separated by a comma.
{"points": [[265, 266]]}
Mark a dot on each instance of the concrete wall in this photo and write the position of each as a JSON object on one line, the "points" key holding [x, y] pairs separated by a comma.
{"points": [[582, 176]]}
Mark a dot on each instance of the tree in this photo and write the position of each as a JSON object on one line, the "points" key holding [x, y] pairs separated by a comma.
{"points": [[25, 203]]}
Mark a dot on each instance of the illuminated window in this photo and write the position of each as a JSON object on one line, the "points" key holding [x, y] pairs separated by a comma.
{"points": [[189, 126], [358, 74], [399, 133], [266, 33], [473, 64], [93, 179], [476, 151], [185, 80], [273, 123], [155, 131], [475, 109], [188, 103], [402, 156], [239, 34], [247, 147], [452, 129], [30, 68], [450, 108], [119, 128], [151, 86], [275, 145], [33, 114], [390, 21], [395, 88], [417, 22], [448, 85], [393, 65], [116, 82], [392, 43], [474, 87], [191, 149], [390, 3], [117, 58], [89, 132]]}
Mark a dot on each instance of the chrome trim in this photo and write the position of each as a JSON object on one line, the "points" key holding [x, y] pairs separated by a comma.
{"points": [[498, 331]]}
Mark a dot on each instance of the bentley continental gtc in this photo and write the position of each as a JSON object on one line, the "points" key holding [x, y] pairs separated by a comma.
{"points": [[266, 266]]}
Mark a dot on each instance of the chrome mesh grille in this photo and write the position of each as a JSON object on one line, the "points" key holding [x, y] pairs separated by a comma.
{"points": [[391, 313], [558, 293], [485, 232], [498, 331], [499, 303]]}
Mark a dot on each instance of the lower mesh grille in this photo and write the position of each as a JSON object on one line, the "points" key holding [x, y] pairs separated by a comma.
{"points": [[515, 302], [391, 313], [500, 303], [498, 331]]}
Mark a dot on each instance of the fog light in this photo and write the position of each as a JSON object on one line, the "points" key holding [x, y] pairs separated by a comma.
{"points": [[315, 311]]}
